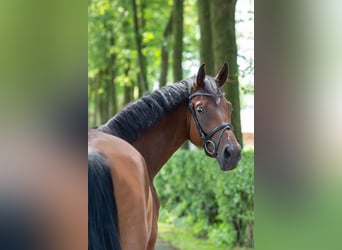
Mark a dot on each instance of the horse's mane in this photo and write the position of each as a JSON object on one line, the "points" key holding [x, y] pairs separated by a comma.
{"points": [[145, 112]]}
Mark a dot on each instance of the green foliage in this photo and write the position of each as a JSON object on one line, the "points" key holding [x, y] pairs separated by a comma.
{"points": [[247, 89], [222, 234], [218, 205], [111, 34]]}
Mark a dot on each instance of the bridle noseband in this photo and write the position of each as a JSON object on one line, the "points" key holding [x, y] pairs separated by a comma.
{"points": [[207, 137]]}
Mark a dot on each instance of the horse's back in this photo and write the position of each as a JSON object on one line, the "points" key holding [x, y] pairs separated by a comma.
{"points": [[131, 188]]}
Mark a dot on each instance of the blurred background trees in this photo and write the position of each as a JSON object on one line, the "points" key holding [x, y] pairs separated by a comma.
{"points": [[137, 46]]}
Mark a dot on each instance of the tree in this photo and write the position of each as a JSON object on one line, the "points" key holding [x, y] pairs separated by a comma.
{"points": [[225, 49], [112, 102], [142, 78], [165, 52], [177, 28], [206, 42]]}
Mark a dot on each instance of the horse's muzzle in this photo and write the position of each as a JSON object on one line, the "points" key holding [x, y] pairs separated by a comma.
{"points": [[230, 157]]}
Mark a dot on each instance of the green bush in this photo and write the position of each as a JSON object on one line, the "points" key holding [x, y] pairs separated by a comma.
{"points": [[223, 234], [218, 205]]}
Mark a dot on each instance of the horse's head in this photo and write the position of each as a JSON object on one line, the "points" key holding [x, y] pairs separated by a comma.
{"points": [[210, 119]]}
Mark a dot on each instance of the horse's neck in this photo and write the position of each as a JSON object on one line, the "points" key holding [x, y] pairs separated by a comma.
{"points": [[159, 143]]}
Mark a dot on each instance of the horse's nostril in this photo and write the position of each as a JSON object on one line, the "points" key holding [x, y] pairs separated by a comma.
{"points": [[232, 153], [226, 153]]}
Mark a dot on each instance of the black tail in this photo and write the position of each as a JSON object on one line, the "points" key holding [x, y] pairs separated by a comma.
{"points": [[103, 232]]}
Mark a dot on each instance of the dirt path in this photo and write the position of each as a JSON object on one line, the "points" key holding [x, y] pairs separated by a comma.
{"points": [[162, 245]]}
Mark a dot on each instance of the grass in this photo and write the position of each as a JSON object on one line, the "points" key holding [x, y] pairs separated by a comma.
{"points": [[182, 239]]}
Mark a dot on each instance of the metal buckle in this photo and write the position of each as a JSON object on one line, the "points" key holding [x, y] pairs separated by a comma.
{"points": [[210, 143]]}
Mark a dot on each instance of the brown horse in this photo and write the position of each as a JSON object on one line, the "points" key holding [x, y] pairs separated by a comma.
{"points": [[159, 123]]}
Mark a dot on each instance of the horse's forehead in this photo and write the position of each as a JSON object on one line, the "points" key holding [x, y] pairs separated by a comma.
{"points": [[211, 85]]}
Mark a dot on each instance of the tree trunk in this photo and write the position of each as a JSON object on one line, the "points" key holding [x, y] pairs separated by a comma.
{"points": [[177, 28], [164, 65], [103, 99], [97, 102], [142, 79], [112, 102], [206, 46], [225, 49], [165, 53], [128, 89], [91, 97]]}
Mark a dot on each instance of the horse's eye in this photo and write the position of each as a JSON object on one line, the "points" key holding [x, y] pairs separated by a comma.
{"points": [[200, 110]]}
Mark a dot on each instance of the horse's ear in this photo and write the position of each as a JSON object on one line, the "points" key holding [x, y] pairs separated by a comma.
{"points": [[200, 77], [222, 75]]}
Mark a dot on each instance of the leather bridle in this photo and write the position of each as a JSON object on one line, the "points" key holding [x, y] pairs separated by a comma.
{"points": [[207, 141]]}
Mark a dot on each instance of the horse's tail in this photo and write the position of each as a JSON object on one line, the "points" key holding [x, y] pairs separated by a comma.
{"points": [[102, 213]]}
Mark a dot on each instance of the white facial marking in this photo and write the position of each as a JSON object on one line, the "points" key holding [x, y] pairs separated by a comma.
{"points": [[229, 140], [218, 100]]}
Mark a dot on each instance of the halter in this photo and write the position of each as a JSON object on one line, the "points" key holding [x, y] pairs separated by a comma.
{"points": [[207, 137]]}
